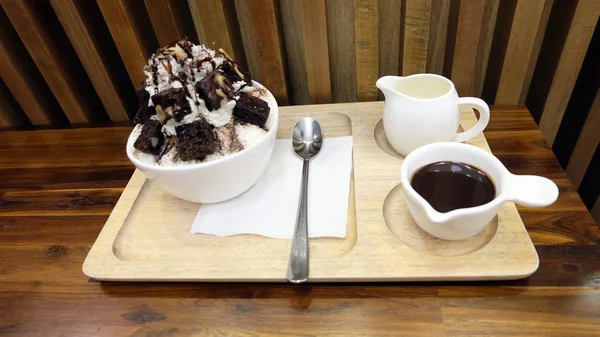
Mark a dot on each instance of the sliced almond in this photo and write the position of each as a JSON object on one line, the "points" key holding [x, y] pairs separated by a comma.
{"points": [[220, 93], [160, 113], [224, 53], [180, 53], [238, 72], [220, 79]]}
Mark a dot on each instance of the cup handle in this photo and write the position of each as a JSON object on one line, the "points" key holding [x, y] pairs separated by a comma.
{"points": [[531, 191], [484, 117]]}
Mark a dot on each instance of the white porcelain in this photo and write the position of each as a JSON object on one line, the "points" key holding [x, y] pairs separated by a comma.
{"points": [[425, 108], [217, 180], [526, 190]]}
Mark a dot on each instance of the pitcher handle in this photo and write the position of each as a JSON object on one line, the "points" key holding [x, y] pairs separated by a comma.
{"points": [[484, 117], [531, 191]]}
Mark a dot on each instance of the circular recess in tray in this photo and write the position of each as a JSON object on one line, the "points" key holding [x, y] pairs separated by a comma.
{"points": [[398, 219], [384, 144], [382, 141]]}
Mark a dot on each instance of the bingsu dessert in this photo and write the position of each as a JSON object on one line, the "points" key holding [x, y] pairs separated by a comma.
{"points": [[197, 106]]}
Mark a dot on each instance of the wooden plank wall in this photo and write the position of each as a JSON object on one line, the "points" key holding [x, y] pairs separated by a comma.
{"points": [[76, 62]]}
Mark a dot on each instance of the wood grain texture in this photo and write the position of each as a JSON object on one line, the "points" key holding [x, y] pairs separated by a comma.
{"points": [[294, 43], [125, 251], [50, 61], [438, 30], [247, 34], [571, 58], [217, 26], [366, 30], [314, 32], [596, 211], [476, 20], [305, 29], [342, 50], [390, 35], [264, 45], [416, 36], [39, 271], [11, 115], [522, 48], [588, 141], [128, 37], [167, 25], [41, 258], [537, 46], [79, 31], [22, 79]]}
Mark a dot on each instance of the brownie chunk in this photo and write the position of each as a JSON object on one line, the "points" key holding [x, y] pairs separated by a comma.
{"points": [[213, 89], [173, 102], [144, 112], [250, 109], [151, 138], [195, 140], [233, 73], [231, 70]]}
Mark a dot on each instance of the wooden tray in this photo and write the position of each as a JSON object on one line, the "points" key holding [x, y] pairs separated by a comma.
{"points": [[147, 236]]}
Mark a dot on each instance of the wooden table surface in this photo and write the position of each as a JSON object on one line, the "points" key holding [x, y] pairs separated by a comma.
{"points": [[58, 187]]}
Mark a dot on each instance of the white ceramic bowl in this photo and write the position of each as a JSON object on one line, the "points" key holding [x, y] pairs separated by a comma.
{"points": [[217, 180]]}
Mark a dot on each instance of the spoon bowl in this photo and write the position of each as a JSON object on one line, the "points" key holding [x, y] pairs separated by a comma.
{"points": [[307, 140]]}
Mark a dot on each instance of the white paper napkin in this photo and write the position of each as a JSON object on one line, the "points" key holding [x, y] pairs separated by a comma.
{"points": [[269, 208]]}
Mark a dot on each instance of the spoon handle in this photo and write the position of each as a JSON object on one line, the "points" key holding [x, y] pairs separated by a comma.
{"points": [[298, 267]]}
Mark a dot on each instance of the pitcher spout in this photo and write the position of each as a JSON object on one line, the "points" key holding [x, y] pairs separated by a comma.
{"points": [[387, 84]]}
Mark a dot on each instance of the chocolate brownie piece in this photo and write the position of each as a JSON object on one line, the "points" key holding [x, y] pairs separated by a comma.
{"points": [[175, 99], [151, 138], [233, 73], [144, 112], [213, 89], [195, 140], [250, 109], [231, 70]]}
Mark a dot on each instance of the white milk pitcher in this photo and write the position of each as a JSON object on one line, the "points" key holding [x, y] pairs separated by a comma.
{"points": [[425, 108]]}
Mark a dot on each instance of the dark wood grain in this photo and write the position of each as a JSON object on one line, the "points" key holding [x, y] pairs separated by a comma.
{"points": [[57, 65], [56, 197]]}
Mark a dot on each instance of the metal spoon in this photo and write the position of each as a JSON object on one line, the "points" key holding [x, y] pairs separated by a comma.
{"points": [[306, 140]]}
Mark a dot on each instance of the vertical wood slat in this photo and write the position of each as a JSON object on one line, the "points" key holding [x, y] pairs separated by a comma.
{"points": [[390, 30], [167, 26], [536, 49], [483, 53], [438, 29], [6, 118], [296, 57], [596, 211], [218, 27], [260, 35], [571, 58], [367, 48], [250, 48], [127, 36], [342, 56], [528, 27], [305, 30], [79, 31], [476, 20], [20, 80], [316, 48], [416, 36], [588, 141], [49, 61], [10, 114]]}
